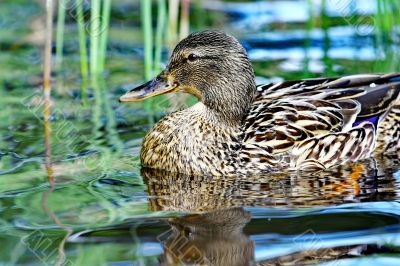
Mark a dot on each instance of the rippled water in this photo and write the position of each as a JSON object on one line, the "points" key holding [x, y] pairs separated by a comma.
{"points": [[106, 210]]}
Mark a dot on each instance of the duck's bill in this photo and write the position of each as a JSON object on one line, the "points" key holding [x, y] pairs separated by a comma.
{"points": [[154, 87]]}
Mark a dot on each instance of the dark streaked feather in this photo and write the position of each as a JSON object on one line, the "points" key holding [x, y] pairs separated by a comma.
{"points": [[318, 123]]}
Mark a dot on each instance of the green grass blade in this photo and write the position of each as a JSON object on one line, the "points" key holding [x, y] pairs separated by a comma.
{"points": [[148, 50], [82, 50], [147, 38], [173, 12], [60, 34], [161, 17], [94, 37], [105, 25], [184, 19]]}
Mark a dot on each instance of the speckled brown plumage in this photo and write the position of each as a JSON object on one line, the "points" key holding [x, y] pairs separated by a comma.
{"points": [[199, 144], [240, 129]]}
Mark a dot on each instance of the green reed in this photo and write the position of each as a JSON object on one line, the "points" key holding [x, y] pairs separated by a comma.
{"points": [[60, 34], [147, 29], [161, 15], [99, 28], [94, 37], [93, 45], [178, 10], [47, 90], [145, 10], [173, 14], [82, 50], [184, 19], [386, 19], [105, 24]]}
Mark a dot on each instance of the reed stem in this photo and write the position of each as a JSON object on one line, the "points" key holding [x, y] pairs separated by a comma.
{"points": [[184, 23], [148, 50], [60, 34], [173, 8], [161, 15], [105, 24], [147, 37], [82, 50], [94, 38], [47, 89]]}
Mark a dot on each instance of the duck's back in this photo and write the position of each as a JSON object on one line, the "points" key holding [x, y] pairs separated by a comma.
{"points": [[318, 123]]}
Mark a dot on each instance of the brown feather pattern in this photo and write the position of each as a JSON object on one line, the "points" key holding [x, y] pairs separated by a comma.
{"points": [[298, 125], [240, 129]]}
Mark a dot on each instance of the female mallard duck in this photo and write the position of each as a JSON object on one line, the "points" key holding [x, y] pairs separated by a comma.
{"points": [[237, 128]]}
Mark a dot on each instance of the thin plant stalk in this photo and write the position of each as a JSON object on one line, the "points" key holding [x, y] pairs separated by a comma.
{"points": [[148, 49], [47, 90], [161, 16], [180, 100], [388, 17], [82, 50], [147, 37], [184, 23], [173, 8], [60, 34], [396, 9], [105, 24], [94, 38]]}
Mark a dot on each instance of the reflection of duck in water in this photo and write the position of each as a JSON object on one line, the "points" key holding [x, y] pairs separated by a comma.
{"points": [[351, 183], [214, 234], [212, 238], [237, 128]]}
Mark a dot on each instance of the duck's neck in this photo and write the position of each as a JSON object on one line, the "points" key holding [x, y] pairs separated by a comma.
{"points": [[224, 118], [230, 110]]}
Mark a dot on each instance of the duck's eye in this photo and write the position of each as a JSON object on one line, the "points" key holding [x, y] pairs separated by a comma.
{"points": [[192, 57]]}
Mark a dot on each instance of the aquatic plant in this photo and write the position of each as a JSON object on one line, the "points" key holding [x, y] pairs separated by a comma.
{"points": [[60, 34], [386, 20], [145, 8], [105, 24], [82, 50], [153, 42], [47, 88], [94, 38], [161, 15]]}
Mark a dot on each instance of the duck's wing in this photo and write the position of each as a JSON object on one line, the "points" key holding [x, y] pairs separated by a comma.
{"points": [[317, 122], [343, 87]]}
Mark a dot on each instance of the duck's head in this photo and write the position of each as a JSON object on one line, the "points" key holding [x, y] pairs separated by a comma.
{"points": [[210, 65]]}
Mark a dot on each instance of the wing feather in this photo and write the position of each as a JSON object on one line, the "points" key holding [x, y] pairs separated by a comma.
{"points": [[311, 124]]}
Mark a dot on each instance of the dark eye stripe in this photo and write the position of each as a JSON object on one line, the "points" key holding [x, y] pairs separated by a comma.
{"points": [[210, 57]]}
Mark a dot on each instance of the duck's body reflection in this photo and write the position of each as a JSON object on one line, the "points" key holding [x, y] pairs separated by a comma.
{"points": [[213, 235], [345, 184], [213, 238]]}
